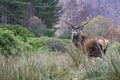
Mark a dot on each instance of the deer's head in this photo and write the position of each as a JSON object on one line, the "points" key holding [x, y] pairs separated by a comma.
{"points": [[76, 29]]}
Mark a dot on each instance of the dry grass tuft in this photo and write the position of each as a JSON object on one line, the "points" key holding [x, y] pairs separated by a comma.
{"points": [[72, 65]]}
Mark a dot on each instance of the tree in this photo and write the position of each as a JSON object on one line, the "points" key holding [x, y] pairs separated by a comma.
{"points": [[48, 10], [11, 11], [97, 26], [19, 11]]}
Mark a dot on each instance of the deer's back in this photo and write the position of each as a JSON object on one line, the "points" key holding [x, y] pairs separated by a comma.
{"points": [[90, 43]]}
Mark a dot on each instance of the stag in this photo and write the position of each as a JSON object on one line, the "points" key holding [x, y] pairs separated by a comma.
{"points": [[93, 46]]}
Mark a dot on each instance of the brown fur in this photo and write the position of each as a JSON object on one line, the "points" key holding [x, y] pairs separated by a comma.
{"points": [[93, 46]]}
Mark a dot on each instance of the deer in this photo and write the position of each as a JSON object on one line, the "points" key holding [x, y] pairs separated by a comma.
{"points": [[92, 46]]}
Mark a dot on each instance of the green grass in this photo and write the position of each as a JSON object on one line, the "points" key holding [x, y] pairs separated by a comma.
{"points": [[46, 43], [72, 65], [37, 67], [18, 40]]}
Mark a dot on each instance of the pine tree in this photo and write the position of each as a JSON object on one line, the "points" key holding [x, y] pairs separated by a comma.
{"points": [[48, 10], [13, 11]]}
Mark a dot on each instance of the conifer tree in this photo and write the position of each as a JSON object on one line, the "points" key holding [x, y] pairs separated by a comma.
{"points": [[13, 11]]}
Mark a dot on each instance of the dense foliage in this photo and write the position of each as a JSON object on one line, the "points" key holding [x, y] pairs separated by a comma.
{"points": [[13, 40], [18, 30], [97, 26], [17, 40], [68, 66], [11, 11], [49, 44], [18, 11], [11, 44]]}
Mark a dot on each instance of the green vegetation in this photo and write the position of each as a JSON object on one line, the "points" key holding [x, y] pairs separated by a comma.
{"points": [[48, 32], [52, 58], [116, 46], [39, 16], [17, 40], [66, 34], [18, 30], [11, 44], [97, 26], [12, 11], [19, 11], [48, 10], [23, 56], [49, 44], [29, 49], [68, 66]]}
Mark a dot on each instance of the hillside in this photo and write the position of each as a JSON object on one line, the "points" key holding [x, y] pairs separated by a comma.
{"points": [[76, 11]]}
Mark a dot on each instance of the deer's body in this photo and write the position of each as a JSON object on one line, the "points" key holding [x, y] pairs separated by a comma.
{"points": [[93, 46]]}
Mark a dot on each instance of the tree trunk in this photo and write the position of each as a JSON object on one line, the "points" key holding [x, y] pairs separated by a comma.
{"points": [[4, 19]]}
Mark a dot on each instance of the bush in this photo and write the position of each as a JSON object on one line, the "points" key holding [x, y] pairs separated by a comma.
{"points": [[18, 30], [66, 35], [56, 45], [38, 43], [49, 32], [48, 44], [11, 44], [7, 41], [38, 30], [35, 25], [116, 46], [97, 26]]}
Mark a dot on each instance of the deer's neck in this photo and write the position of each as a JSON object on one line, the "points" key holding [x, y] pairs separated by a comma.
{"points": [[75, 38]]}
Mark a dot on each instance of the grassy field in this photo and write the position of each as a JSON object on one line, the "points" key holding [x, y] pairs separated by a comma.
{"points": [[72, 65]]}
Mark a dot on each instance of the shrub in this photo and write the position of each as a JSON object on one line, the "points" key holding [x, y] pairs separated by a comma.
{"points": [[48, 44], [35, 25], [97, 26], [18, 30], [116, 46], [35, 67], [75, 55], [104, 72], [38, 30], [66, 35], [38, 43], [8, 42], [11, 44], [49, 32], [56, 45]]}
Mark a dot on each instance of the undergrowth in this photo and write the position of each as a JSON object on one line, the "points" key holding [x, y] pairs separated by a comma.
{"points": [[71, 65]]}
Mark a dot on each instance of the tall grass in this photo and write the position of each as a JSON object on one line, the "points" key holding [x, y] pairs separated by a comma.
{"points": [[72, 65], [99, 70], [37, 67]]}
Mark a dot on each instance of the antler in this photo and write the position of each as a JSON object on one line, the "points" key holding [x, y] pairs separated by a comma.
{"points": [[70, 24], [84, 23]]}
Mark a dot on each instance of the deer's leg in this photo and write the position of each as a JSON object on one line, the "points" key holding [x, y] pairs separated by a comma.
{"points": [[105, 49]]}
